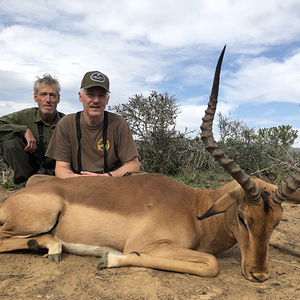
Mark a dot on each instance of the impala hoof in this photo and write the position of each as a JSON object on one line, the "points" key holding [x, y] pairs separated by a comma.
{"points": [[103, 263], [56, 258]]}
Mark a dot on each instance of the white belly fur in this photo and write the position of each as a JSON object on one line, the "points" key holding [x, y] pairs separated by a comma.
{"points": [[86, 249]]}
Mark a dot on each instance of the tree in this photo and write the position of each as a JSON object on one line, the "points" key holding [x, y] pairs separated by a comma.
{"points": [[266, 151], [240, 143], [152, 120], [282, 136]]}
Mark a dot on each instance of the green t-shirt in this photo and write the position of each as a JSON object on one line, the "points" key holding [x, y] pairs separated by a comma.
{"points": [[16, 123]]}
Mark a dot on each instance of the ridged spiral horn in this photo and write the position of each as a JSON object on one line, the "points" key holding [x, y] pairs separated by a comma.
{"points": [[285, 190], [251, 190]]}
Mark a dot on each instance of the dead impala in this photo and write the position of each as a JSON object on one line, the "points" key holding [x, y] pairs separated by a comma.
{"points": [[150, 220]]}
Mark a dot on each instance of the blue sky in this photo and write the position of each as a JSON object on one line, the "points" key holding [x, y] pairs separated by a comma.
{"points": [[166, 46]]}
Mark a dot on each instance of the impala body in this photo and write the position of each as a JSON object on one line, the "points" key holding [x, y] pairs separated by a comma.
{"points": [[151, 220]]}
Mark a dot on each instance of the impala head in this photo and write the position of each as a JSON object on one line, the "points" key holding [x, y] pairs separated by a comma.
{"points": [[253, 229], [258, 204]]}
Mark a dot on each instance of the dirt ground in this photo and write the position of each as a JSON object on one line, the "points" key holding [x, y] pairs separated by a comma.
{"points": [[29, 275]]}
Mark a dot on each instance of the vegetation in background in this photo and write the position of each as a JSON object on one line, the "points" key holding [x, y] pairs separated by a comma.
{"points": [[152, 120], [6, 178], [266, 153]]}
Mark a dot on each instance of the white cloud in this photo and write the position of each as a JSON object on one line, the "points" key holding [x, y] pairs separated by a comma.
{"points": [[262, 79], [265, 123], [154, 78], [169, 46], [191, 116]]}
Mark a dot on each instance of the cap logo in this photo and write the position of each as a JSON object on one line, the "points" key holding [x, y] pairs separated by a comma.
{"points": [[97, 77]]}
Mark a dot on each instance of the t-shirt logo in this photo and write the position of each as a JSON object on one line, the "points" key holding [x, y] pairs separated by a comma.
{"points": [[101, 146]]}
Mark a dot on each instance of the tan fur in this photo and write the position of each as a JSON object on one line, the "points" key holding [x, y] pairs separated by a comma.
{"points": [[151, 215]]}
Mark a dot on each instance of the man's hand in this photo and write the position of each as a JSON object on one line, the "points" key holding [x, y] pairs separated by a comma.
{"points": [[86, 173], [31, 141]]}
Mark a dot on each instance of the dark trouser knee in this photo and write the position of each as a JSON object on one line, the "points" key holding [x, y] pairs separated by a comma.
{"points": [[23, 163]]}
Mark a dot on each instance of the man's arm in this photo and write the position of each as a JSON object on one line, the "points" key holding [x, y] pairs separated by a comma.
{"points": [[63, 170], [9, 129], [31, 141], [130, 166]]}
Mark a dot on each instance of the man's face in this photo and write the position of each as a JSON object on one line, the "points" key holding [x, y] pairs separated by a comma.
{"points": [[47, 99], [94, 101]]}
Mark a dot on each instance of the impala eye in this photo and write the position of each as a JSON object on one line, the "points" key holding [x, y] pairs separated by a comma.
{"points": [[241, 218]]}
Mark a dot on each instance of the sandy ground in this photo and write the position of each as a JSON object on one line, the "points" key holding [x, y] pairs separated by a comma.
{"points": [[28, 275]]}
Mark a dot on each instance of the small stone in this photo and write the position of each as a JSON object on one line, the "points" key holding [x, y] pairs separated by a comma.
{"points": [[260, 290], [275, 284]]}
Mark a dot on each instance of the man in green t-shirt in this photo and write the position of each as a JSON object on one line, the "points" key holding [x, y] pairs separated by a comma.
{"points": [[25, 134]]}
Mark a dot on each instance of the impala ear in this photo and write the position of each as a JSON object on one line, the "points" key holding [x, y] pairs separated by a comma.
{"points": [[224, 203], [294, 198]]}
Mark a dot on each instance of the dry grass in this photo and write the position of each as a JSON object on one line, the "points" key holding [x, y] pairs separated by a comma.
{"points": [[6, 172]]}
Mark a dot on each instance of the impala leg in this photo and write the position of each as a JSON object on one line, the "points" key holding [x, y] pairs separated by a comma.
{"points": [[46, 241], [174, 259]]}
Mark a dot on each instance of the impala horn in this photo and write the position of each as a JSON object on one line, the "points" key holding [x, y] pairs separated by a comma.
{"points": [[285, 190], [251, 190]]}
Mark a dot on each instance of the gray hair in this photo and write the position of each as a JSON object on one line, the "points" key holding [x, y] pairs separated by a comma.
{"points": [[82, 89], [47, 79]]}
